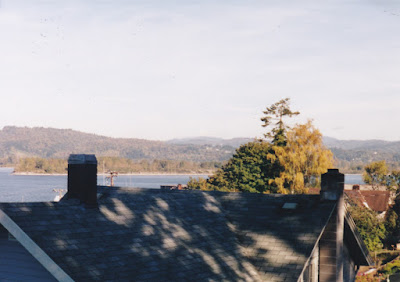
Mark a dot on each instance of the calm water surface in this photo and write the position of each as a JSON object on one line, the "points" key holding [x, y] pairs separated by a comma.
{"points": [[353, 179], [36, 188]]}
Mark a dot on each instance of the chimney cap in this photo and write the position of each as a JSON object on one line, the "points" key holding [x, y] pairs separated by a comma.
{"points": [[82, 159]]}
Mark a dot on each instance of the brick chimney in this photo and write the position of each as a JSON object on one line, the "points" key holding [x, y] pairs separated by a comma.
{"points": [[82, 179], [331, 243]]}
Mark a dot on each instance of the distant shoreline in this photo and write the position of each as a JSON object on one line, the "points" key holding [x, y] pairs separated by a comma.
{"points": [[37, 174], [105, 174], [124, 174]]}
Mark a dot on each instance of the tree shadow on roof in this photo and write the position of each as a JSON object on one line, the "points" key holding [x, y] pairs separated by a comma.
{"points": [[145, 234]]}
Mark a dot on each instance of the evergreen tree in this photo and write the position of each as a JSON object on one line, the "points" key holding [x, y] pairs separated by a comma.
{"points": [[274, 116], [249, 170]]}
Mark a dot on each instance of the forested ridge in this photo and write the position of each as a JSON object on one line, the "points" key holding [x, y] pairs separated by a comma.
{"points": [[17, 143], [22, 142], [352, 155]]}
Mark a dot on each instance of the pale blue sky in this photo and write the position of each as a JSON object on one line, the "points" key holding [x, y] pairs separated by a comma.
{"points": [[170, 69]]}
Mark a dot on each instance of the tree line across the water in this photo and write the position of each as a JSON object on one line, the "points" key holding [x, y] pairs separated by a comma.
{"points": [[122, 165]]}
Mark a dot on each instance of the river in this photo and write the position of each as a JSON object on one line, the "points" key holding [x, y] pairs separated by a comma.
{"points": [[37, 188]]}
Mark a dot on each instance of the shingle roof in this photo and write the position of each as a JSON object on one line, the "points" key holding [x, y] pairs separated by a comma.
{"points": [[376, 200], [145, 234]]}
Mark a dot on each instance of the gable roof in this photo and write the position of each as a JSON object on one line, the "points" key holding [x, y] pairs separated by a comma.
{"points": [[375, 200], [152, 234]]}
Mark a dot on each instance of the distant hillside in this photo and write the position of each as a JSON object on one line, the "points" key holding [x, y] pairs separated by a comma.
{"points": [[351, 155], [16, 142], [20, 142], [376, 145], [213, 141], [354, 154]]}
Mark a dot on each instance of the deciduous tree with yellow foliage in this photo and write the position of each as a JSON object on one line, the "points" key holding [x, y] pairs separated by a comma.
{"points": [[304, 159]]}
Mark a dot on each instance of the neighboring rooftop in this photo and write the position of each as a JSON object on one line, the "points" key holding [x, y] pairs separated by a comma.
{"points": [[375, 200], [146, 234]]}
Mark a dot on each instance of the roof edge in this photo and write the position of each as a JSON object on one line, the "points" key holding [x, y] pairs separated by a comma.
{"points": [[33, 248], [316, 243], [348, 219], [356, 235]]}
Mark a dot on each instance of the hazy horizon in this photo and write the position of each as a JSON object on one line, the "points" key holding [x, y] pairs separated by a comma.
{"points": [[185, 137]]}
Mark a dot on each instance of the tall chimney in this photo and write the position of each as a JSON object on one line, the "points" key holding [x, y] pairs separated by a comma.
{"points": [[331, 243], [82, 179], [332, 185]]}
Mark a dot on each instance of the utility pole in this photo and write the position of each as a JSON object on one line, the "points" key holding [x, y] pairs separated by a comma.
{"points": [[111, 177]]}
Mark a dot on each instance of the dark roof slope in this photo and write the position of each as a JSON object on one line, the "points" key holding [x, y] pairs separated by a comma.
{"points": [[277, 242], [145, 234]]}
